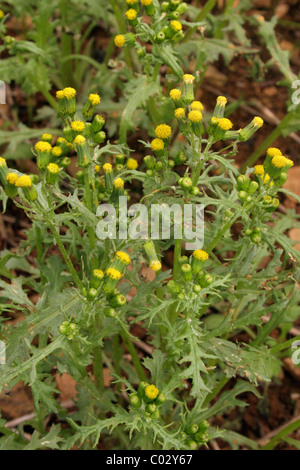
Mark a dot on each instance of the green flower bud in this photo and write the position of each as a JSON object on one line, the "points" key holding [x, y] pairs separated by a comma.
{"points": [[99, 137], [135, 400], [142, 387], [118, 301], [160, 399], [186, 272], [191, 444], [197, 288], [98, 123], [110, 312], [253, 187], [243, 182], [173, 287], [149, 161], [92, 293], [151, 408], [192, 429], [185, 183]]}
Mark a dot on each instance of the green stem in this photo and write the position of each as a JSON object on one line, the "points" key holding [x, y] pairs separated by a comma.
{"points": [[122, 28], [135, 358], [88, 198], [268, 141], [280, 436], [65, 254], [98, 363]]}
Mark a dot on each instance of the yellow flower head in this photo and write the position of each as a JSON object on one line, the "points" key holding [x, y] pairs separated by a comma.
{"points": [[43, 147], [2, 162], [56, 151], [107, 168], [175, 94], [188, 78], [225, 124], [195, 116], [131, 14], [60, 94], [113, 274], [94, 99], [119, 183], [47, 136], [124, 257], [97, 168], [120, 40], [53, 168], [259, 170], [214, 121], [1, 14], [132, 164], [176, 26], [146, 2], [98, 273], [163, 131], [273, 151], [279, 161], [155, 265], [131, 2], [221, 100], [197, 106], [12, 178], [151, 392], [257, 121], [179, 113], [157, 144], [78, 126], [266, 178], [200, 255], [24, 181], [69, 93], [79, 139]]}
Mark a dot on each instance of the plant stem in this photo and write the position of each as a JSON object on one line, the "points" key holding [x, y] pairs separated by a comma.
{"points": [[281, 435], [97, 363], [88, 198], [122, 28], [64, 253], [135, 358]]}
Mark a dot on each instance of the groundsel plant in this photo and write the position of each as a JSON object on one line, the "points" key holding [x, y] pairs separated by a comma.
{"points": [[92, 290]]}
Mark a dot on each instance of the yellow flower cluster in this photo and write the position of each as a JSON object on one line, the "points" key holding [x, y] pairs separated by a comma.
{"points": [[155, 265], [113, 274], [68, 93], [53, 168], [94, 99], [107, 168], [12, 178], [200, 255], [132, 164], [258, 122], [78, 126], [120, 40], [195, 116], [175, 94], [157, 145], [221, 100], [43, 147], [123, 256], [163, 131], [24, 181], [279, 161], [179, 113], [119, 183], [224, 124], [197, 106], [151, 392], [131, 14], [176, 26], [79, 139]]}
